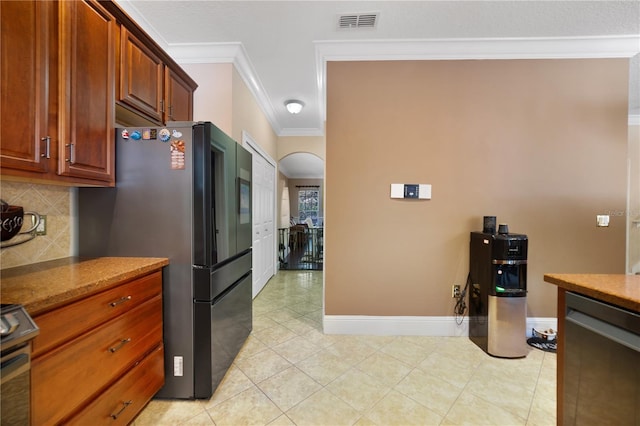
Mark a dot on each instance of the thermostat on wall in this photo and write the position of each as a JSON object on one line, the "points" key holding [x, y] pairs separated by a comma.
{"points": [[411, 190]]}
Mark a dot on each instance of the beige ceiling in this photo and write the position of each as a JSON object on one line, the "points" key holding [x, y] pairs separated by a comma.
{"points": [[280, 47]]}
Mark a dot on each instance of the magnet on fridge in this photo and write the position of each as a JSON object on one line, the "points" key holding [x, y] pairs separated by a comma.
{"points": [[177, 134], [125, 134], [178, 155], [165, 135], [135, 135]]}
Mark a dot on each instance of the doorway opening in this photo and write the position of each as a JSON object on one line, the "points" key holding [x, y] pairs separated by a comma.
{"points": [[301, 227]]}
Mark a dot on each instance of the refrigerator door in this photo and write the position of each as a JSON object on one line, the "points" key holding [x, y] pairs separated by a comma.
{"points": [[215, 199], [221, 329], [209, 283], [244, 188]]}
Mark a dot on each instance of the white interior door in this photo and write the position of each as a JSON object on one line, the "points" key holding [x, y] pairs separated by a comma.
{"points": [[264, 215]]}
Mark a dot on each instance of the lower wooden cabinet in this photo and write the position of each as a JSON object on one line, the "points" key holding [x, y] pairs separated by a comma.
{"points": [[110, 366], [127, 396]]}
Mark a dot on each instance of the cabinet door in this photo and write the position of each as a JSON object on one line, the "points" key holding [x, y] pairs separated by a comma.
{"points": [[86, 91], [179, 98], [141, 77], [24, 64]]}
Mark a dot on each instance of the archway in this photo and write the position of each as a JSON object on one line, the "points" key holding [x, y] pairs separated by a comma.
{"points": [[301, 211]]}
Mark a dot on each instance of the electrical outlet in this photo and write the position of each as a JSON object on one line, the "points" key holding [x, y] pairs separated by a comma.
{"points": [[455, 291], [178, 366], [42, 226]]}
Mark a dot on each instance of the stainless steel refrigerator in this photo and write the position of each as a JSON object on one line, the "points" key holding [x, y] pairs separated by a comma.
{"points": [[182, 192]]}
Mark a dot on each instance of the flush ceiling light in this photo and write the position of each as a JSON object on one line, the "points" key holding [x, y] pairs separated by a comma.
{"points": [[293, 106]]}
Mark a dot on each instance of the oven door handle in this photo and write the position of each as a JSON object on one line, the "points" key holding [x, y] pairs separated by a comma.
{"points": [[14, 364]]}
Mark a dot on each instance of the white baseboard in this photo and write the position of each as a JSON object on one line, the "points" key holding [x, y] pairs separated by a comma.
{"points": [[411, 326], [394, 325]]}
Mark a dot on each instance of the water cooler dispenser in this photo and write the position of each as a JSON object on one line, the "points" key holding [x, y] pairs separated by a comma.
{"points": [[497, 298]]}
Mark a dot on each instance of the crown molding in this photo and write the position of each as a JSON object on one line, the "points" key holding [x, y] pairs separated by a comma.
{"points": [[139, 19], [623, 46], [234, 53]]}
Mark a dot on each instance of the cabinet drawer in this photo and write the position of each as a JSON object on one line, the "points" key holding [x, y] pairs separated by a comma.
{"points": [[64, 378], [63, 324], [128, 396]]}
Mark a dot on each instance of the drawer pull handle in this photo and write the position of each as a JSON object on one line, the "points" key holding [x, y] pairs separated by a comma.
{"points": [[119, 301], [119, 345], [124, 407]]}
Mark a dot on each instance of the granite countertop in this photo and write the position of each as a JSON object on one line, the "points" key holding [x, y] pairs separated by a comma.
{"points": [[617, 289], [40, 287]]}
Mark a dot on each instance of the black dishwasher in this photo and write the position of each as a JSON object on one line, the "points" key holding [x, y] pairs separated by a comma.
{"points": [[601, 363], [17, 329]]}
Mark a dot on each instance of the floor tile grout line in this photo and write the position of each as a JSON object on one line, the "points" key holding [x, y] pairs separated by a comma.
{"points": [[393, 349]]}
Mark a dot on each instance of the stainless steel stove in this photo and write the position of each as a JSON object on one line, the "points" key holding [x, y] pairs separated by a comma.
{"points": [[17, 329]]}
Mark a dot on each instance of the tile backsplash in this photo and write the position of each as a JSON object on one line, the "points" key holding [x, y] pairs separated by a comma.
{"points": [[50, 200]]}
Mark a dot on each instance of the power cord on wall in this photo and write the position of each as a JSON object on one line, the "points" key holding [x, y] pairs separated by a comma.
{"points": [[461, 306]]}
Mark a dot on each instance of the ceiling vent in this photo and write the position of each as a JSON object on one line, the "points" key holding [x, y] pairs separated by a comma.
{"points": [[352, 21]]}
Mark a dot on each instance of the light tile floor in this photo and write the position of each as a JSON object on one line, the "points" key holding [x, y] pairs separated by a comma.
{"points": [[290, 373]]}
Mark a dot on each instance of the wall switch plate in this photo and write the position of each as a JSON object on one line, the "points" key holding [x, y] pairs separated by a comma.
{"points": [[42, 226], [411, 191]]}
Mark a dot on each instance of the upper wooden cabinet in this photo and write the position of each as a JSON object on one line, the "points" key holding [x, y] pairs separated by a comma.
{"points": [[141, 77], [57, 107], [86, 91], [24, 35], [150, 83], [64, 68], [179, 94]]}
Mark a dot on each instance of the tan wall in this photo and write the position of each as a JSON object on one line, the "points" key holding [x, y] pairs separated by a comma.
{"points": [[53, 201], [248, 116], [541, 144], [223, 98], [212, 99], [292, 144]]}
